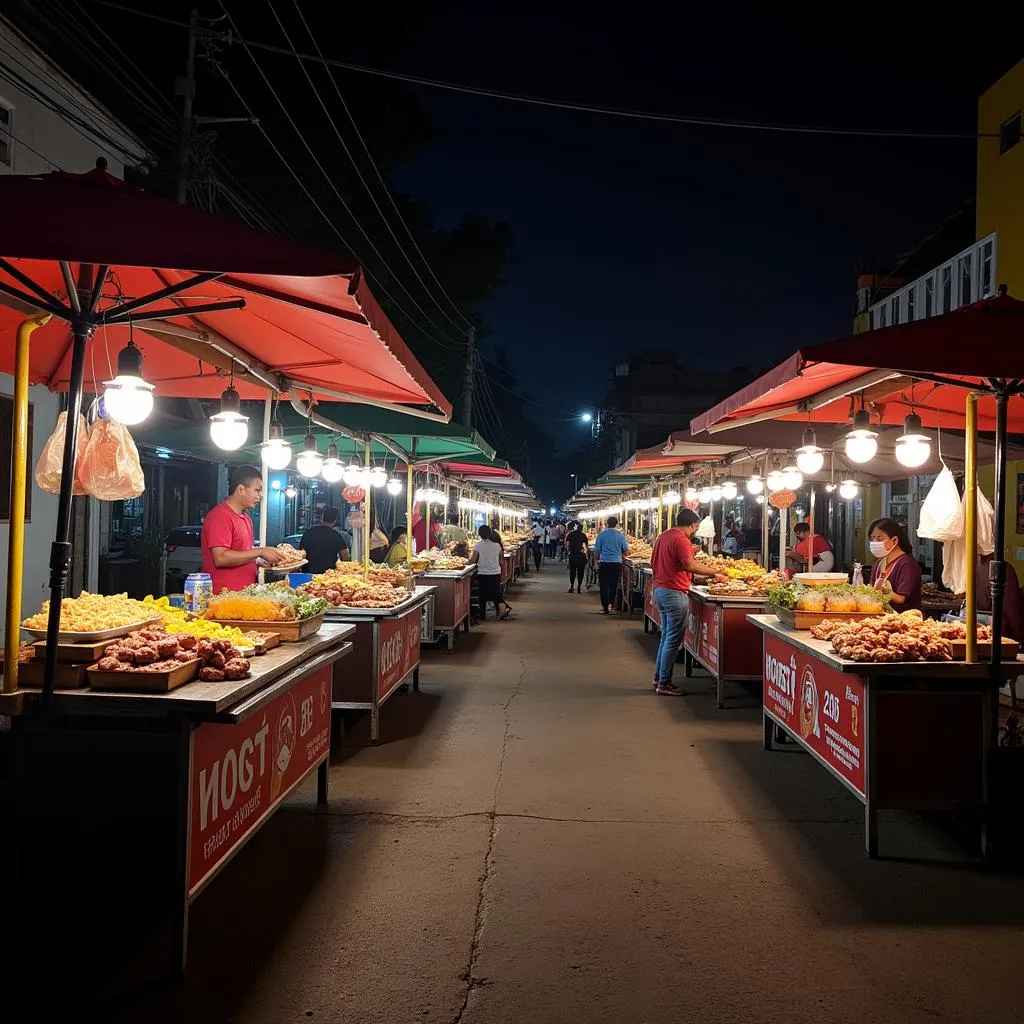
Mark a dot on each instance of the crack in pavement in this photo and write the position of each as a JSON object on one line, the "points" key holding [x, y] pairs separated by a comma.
{"points": [[470, 977]]}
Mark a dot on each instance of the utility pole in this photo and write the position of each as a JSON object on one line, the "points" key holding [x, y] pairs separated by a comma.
{"points": [[185, 86], [470, 374]]}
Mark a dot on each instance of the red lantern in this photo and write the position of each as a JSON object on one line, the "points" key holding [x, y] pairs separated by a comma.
{"points": [[781, 499], [353, 495]]}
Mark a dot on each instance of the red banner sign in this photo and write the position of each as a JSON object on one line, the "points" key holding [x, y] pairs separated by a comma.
{"points": [[398, 649], [708, 644], [241, 772], [822, 708], [462, 590], [651, 610]]}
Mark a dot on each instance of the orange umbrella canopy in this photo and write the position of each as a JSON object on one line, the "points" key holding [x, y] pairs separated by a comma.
{"points": [[301, 319]]}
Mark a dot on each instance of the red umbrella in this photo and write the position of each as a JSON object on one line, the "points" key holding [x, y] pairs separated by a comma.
{"points": [[102, 257]]}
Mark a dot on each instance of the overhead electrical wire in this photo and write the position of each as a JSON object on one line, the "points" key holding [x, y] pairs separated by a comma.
{"points": [[355, 165], [585, 108], [317, 205], [376, 169], [337, 193]]}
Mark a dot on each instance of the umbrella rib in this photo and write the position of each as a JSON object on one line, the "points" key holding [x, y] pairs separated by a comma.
{"points": [[59, 311], [52, 303], [166, 311], [163, 293]]}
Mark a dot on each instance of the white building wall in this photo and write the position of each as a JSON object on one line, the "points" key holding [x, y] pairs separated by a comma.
{"points": [[54, 125]]}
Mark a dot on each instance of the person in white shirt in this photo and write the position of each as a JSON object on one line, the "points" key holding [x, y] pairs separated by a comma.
{"points": [[539, 537], [486, 557]]}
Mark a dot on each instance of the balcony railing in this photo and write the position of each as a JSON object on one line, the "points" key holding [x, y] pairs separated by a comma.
{"points": [[970, 275]]}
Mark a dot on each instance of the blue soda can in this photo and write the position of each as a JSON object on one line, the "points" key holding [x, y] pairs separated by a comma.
{"points": [[198, 591], [176, 600]]}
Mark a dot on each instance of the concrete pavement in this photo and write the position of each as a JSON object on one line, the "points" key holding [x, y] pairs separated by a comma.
{"points": [[539, 838]]}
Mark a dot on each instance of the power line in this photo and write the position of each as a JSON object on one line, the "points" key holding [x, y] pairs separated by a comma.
{"points": [[354, 162], [376, 169], [333, 186], [584, 108]]}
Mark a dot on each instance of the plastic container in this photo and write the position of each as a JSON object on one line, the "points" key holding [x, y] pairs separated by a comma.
{"points": [[296, 579], [198, 591]]}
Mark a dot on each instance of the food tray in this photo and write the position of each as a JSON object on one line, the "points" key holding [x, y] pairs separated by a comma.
{"points": [[984, 649], [290, 631], [145, 682], [268, 642], [68, 636], [68, 675], [821, 579], [284, 569], [84, 653], [730, 598], [804, 620]]}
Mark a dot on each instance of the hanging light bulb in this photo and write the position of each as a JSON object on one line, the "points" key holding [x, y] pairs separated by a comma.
{"points": [[729, 489], [792, 478], [290, 491], [229, 429], [353, 473], [861, 441], [394, 486], [914, 447], [704, 495], [691, 494], [848, 489], [128, 399], [755, 485], [774, 481], [809, 457], [333, 468], [716, 493], [378, 476], [830, 487], [760, 499], [670, 498], [276, 452], [310, 461]]}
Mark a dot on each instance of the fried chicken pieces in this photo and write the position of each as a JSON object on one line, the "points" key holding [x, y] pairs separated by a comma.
{"points": [[891, 638], [154, 650]]}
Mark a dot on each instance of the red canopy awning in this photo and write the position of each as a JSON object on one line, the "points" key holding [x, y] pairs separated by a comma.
{"points": [[309, 319], [927, 365]]}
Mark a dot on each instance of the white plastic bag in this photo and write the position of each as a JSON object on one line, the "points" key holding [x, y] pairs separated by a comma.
{"points": [[109, 467], [52, 457], [942, 516], [954, 552]]}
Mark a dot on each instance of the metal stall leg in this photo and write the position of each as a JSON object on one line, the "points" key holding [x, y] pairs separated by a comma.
{"points": [[871, 779], [323, 781], [416, 679], [768, 729], [183, 841]]}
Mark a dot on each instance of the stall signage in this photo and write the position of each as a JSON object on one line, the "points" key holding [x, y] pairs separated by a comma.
{"points": [[398, 649], [462, 589], [823, 709], [241, 772], [707, 641]]}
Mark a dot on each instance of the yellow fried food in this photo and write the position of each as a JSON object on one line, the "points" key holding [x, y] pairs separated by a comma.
{"points": [[90, 613], [256, 609], [177, 620]]}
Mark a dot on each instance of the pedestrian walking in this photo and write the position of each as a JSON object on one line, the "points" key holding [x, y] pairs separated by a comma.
{"points": [[674, 566], [486, 557], [578, 548], [610, 546], [563, 532], [538, 543]]}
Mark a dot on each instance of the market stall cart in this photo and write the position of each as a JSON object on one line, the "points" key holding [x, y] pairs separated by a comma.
{"points": [[452, 601], [652, 615], [632, 584], [386, 654], [169, 785], [898, 735], [719, 637]]}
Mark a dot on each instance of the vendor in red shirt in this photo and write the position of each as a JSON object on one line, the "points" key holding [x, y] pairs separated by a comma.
{"points": [[227, 538], [674, 566], [824, 558]]}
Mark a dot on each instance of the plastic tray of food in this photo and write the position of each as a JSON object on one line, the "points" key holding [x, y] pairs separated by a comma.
{"points": [[67, 636], [820, 579]]}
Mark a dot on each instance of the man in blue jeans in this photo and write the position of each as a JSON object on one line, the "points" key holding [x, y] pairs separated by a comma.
{"points": [[609, 548], [674, 567]]}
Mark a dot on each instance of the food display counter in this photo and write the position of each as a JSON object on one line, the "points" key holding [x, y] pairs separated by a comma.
{"points": [[508, 560], [385, 655], [898, 735], [632, 584], [652, 615], [452, 601], [718, 636], [147, 796]]}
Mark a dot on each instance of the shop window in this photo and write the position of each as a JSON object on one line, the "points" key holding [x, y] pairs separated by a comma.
{"points": [[929, 296], [6, 135], [882, 318], [947, 289], [1010, 133], [894, 308], [987, 269], [965, 280], [912, 304], [6, 444]]}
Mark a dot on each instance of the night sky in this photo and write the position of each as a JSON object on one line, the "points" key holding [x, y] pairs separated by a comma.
{"points": [[732, 247]]}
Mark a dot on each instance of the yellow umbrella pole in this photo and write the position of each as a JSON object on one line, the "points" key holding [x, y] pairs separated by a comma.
{"points": [[19, 474], [971, 524], [367, 503]]}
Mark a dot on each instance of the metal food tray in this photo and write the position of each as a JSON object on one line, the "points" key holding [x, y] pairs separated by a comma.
{"points": [[731, 598], [344, 613], [449, 574], [68, 636]]}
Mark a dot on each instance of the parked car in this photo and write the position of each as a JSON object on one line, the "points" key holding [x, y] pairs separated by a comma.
{"points": [[184, 555]]}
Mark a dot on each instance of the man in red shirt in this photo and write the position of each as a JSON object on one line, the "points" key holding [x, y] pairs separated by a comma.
{"points": [[227, 538], [674, 567], [808, 543]]}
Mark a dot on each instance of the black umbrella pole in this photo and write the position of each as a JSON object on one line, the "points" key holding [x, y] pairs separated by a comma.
{"points": [[997, 567], [60, 552]]}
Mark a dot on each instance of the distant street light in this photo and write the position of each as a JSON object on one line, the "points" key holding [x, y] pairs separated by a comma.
{"points": [[586, 417]]}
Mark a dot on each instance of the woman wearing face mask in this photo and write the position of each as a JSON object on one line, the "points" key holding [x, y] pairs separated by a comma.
{"points": [[895, 570]]}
